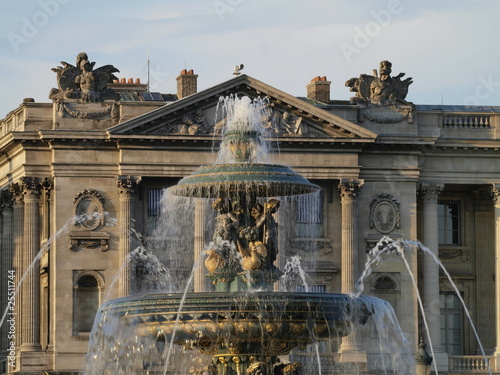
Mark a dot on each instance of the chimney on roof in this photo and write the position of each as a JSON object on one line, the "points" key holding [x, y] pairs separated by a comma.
{"points": [[186, 83], [319, 89]]}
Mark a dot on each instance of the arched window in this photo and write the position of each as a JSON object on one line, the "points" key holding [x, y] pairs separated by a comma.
{"points": [[384, 283], [86, 301]]}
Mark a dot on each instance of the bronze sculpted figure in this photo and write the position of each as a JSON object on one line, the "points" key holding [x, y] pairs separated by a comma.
{"points": [[83, 82], [380, 88], [248, 234]]}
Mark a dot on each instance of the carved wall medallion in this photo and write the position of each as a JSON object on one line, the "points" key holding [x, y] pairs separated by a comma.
{"points": [[384, 213], [89, 210]]}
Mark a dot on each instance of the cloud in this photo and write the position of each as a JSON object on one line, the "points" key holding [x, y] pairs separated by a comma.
{"points": [[446, 46]]}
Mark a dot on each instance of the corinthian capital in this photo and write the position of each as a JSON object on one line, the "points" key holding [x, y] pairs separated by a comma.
{"points": [[430, 191], [6, 200], [349, 189], [31, 187], [16, 192], [127, 185], [495, 194]]}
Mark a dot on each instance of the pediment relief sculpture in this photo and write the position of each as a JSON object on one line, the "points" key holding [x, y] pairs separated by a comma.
{"points": [[275, 123], [82, 82]]}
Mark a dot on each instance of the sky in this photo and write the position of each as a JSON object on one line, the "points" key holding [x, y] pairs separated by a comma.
{"points": [[449, 47]]}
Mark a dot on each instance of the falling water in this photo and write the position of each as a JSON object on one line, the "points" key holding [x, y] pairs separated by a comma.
{"points": [[388, 245], [137, 333], [46, 247], [239, 115]]}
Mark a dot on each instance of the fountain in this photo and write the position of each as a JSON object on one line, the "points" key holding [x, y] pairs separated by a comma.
{"points": [[245, 324]]}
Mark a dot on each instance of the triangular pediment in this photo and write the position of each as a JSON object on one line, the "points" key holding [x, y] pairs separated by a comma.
{"points": [[289, 117]]}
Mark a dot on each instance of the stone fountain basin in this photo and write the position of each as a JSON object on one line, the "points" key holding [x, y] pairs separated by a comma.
{"points": [[276, 322], [223, 180]]}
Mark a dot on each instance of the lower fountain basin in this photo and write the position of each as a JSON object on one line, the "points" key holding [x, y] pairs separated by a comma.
{"points": [[270, 323]]}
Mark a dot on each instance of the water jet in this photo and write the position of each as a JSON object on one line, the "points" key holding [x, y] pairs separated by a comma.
{"points": [[245, 324]]}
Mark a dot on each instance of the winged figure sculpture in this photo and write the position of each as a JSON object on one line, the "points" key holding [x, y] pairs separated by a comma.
{"points": [[83, 82]]}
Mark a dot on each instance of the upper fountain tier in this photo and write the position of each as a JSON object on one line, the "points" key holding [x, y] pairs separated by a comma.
{"points": [[241, 164]]}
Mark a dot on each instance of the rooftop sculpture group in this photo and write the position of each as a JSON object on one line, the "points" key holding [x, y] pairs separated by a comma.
{"points": [[380, 88], [83, 82]]}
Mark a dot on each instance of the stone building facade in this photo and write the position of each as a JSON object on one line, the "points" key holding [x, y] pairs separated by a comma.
{"points": [[386, 167]]}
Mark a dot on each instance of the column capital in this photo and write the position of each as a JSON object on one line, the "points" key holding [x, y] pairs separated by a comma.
{"points": [[127, 185], [349, 189], [16, 192], [47, 185], [430, 191], [6, 200], [31, 187], [495, 194]]}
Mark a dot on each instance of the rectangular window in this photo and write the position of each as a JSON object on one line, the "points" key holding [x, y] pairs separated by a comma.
{"points": [[449, 222], [310, 208], [154, 209], [154, 197], [309, 215], [451, 323]]}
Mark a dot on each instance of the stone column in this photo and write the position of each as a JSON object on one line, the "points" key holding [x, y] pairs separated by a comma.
{"points": [[495, 192], [349, 190], [30, 325], [127, 187], [17, 255], [485, 268], [199, 245], [46, 198], [430, 285]]}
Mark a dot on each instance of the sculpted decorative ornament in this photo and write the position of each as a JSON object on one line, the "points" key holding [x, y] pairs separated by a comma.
{"points": [[275, 123], [349, 189], [384, 213], [83, 82], [383, 96], [495, 194], [430, 191], [89, 209]]}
